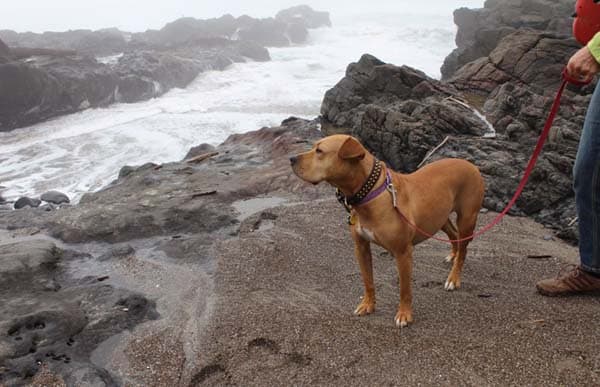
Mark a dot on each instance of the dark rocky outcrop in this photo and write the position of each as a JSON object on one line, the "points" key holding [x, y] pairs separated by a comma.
{"points": [[87, 42], [55, 73], [480, 30], [55, 197], [401, 114], [59, 320], [180, 197], [27, 202], [42, 87], [290, 26], [5, 54], [158, 215], [531, 58]]}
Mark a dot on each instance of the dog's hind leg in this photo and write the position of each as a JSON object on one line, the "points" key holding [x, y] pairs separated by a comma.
{"points": [[466, 225], [362, 250], [450, 229]]}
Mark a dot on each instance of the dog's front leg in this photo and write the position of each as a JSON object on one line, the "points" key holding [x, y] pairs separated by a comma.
{"points": [[362, 250], [404, 264]]}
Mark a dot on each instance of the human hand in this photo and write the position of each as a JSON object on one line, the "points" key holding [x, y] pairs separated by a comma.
{"points": [[583, 66]]}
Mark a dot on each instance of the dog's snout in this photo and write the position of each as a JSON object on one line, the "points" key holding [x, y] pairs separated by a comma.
{"points": [[293, 160]]}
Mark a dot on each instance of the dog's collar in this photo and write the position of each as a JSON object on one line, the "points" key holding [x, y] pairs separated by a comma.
{"points": [[365, 194]]}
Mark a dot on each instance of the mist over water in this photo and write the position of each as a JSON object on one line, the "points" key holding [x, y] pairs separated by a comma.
{"points": [[84, 151], [140, 15]]}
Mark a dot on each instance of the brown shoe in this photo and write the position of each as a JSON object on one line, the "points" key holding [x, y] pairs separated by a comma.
{"points": [[571, 282]]}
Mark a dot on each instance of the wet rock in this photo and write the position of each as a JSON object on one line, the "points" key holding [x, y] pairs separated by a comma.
{"points": [[127, 170], [117, 252], [199, 150], [532, 58], [32, 255], [27, 202], [102, 42], [269, 32], [48, 318], [188, 29], [480, 30], [4, 52], [55, 197], [54, 86]]}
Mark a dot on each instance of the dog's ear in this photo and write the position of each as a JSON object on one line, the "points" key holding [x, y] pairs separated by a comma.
{"points": [[352, 150]]}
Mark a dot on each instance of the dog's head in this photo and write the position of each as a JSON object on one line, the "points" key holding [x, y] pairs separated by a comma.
{"points": [[332, 159]]}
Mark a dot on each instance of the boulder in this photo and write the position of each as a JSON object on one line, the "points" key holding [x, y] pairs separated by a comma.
{"points": [[480, 30], [532, 58], [37, 90], [373, 82], [27, 202], [55, 197]]}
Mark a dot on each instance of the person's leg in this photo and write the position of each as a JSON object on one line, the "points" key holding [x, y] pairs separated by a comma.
{"points": [[586, 175], [586, 183]]}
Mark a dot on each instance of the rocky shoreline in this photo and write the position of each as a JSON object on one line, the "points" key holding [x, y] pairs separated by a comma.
{"points": [[75, 70], [226, 269]]}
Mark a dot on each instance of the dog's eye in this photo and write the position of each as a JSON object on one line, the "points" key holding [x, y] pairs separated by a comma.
{"points": [[318, 150]]}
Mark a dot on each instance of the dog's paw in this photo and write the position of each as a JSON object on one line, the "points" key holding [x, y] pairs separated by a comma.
{"points": [[451, 285], [365, 307], [403, 318], [450, 258]]}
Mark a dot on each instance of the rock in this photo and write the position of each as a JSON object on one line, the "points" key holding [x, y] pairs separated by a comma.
{"points": [[61, 85], [61, 74], [52, 319], [25, 201], [268, 32], [188, 29], [199, 150], [533, 58], [5, 54], [117, 252], [2, 200], [101, 42], [33, 255], [480, 30], [305, 15], [370, 84], [55, 197], [150, 200], [54, 86]]}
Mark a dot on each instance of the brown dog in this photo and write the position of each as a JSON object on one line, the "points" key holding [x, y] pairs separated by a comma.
{"points": [[426, 197]]}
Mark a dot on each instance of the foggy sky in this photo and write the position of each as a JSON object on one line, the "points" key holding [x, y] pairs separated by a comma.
{"points": [[139, 15]]}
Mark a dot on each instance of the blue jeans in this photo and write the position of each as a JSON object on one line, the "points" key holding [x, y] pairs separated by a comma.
{"points": [[586, 175]]}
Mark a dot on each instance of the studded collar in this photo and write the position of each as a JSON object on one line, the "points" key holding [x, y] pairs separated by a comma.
{"points": [[363, 193]]}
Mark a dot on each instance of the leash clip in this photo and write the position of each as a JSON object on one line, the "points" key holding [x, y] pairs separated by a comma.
{"points": [[390, 187]]}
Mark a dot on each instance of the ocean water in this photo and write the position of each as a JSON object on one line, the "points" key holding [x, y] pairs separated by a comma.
{"points": [[83, 152]]}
